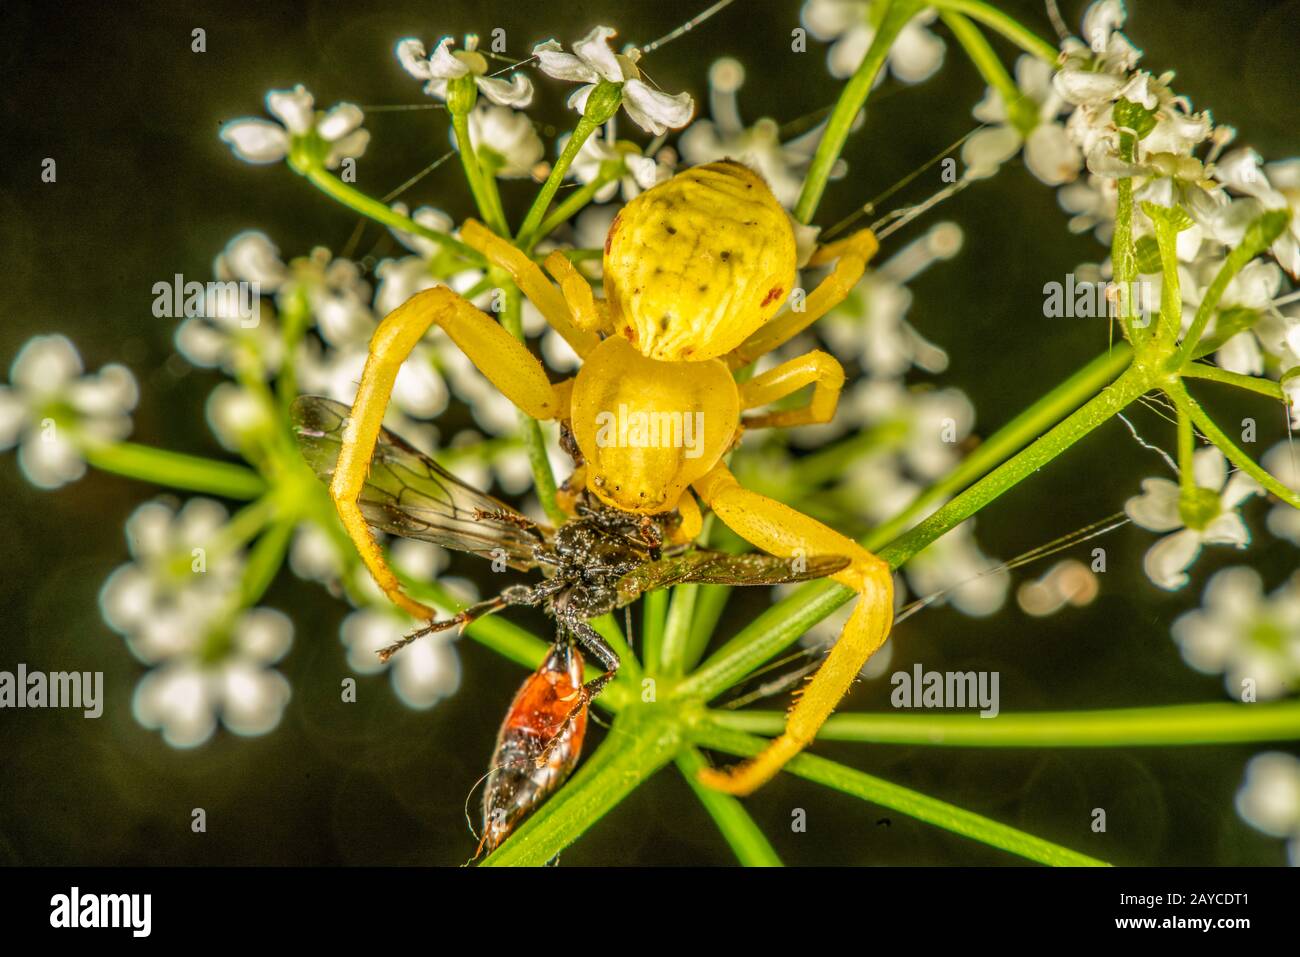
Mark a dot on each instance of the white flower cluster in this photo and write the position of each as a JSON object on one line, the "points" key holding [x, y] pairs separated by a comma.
{"points": [[173, 604], [1179, 158], [51, 409]]}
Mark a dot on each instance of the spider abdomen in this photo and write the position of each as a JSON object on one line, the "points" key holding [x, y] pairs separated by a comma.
{"points": [[696, 264]]}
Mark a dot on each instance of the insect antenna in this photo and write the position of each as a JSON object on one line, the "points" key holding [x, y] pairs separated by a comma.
{"points": [[787, 680], [470, 614], [1047, 549]]}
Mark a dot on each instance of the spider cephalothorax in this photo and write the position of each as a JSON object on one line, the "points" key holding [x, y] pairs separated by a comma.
{"points": [[696, 271]]}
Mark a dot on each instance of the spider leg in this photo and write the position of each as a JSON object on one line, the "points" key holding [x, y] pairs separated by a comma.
{"points": [[588, 312], [780, 530], [850, 256], [502, 358], [530, 279], [818, 368]]}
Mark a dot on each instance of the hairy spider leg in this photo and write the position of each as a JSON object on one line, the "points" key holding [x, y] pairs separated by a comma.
{"points": [[780, 530], [532, 282], [503, 359]]}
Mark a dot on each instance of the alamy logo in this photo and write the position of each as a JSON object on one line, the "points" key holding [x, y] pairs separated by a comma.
{"points": [[103, 910], [951, 689], [55, 689], [211, 300], [651, 430]]}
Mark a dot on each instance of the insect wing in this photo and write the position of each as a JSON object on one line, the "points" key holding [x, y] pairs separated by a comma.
{"points": [[408, 494], [720, 568]]}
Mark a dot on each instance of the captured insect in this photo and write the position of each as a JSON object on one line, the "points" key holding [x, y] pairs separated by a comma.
{"points": [[540, 726], [696, 271], [601, 560]]}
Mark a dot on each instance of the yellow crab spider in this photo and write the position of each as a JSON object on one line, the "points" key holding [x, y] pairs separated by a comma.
{"points": [[695, 271]]}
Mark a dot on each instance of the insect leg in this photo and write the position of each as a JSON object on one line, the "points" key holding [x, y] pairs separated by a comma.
{"points": [[780, 530], [591, 641]]}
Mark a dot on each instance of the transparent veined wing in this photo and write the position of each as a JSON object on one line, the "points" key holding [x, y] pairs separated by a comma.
{"points": [[719, 568], [408, 494]]}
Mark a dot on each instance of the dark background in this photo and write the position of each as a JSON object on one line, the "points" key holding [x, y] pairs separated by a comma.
{"points": [[145, 189]]}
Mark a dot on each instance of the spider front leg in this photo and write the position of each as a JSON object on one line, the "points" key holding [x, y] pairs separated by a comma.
{"points": [[850, 256], [532, 282], [502, 358], [780, 530]]}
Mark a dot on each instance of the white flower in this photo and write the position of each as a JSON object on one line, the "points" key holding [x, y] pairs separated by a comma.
{"points": [[428, 669], [178, 581], [592, 61], [1049, 153], [915, 55], [1275, 186], [504, 141], [1213, 516], [631, 170], [429, 217], [238, 416], [925, 428], [1283, 462], [1269, 799], [446, 65], [260, 141], [185, 696], [51, 408], [1243, 635], [724, 136], [223, 333], [422, 673]]}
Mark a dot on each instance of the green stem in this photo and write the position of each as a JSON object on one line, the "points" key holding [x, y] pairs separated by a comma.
{"points": [[572, 205], [1186, 455], [489, 205], [710, 601], [1258, 237], [528, 232], [894, 14], [1043, 414], [900, 799], [175, 469], [264, 562], [356, 200], [783, 623], [1217, 723], [1183, 399], [654, 612], [1265, 387], [749, 843], [1023, 116], [1001, 23], [677, 630], [1114, 398]]}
